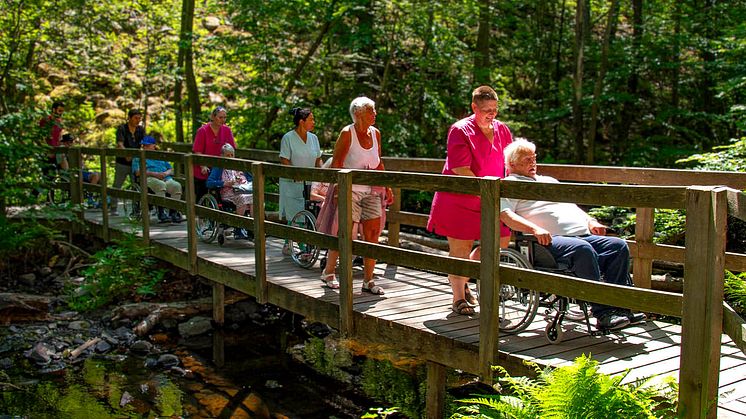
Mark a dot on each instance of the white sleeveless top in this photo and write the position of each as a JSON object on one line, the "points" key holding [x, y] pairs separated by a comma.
{"points": [[362, 158]]}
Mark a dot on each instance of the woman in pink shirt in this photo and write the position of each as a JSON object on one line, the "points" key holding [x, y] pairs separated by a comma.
{"points": [[475, 148], [209, 140]]}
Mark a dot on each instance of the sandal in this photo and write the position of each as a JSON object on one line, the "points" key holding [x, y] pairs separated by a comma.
{"points": [[463, 308], [470, 298], [330, 280], [371, 287]]}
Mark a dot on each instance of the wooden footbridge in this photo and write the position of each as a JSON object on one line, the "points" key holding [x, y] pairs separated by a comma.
{"points": [[705, 353]]}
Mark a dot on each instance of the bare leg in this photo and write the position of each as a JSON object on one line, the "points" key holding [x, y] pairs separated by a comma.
{"points": [[331, 261], [459, 249], [371, 232]]}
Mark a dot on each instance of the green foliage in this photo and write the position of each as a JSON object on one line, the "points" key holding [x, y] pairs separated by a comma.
{"points": [[23, 244], [574, 391], [621, 220], [670, 226], [416, 59], [735, 291], [328, 357], [730, 157], [380, 412], [119, 271], [381, 380]]}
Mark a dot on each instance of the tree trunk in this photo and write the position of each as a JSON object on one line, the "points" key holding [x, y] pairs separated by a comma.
{"points": [[557, 77], [146, 70], [632, 82], [707, 89], [191, 81], [610, 24], [577, 84], [420, 115], [481, 73], [272, 114], [675, 63], [178, 105]]}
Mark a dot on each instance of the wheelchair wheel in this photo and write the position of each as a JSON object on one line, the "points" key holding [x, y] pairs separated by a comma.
{"points": [[207, 229], [132, 206], [554, 333], [59, 190], [518, 306], [303, 254]]}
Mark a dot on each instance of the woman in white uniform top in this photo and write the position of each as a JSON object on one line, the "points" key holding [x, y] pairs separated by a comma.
{"points": [[299, 147]]}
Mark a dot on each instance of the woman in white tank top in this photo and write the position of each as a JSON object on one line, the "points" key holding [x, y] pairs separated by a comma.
{"points": [[359, 147]]}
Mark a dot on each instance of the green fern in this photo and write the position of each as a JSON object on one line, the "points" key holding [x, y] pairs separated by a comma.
{"points": [[574, 391], [735, 291]]}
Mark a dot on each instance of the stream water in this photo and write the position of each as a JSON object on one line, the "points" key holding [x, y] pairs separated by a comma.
{"points": [[258, 379]]}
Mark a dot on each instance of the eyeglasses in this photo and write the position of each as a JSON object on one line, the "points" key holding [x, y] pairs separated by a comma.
{"points": [[529, 159]]}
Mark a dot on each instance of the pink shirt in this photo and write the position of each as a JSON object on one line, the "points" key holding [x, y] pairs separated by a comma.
{"points": [[468, 147], [459, 215], [206, 142]]}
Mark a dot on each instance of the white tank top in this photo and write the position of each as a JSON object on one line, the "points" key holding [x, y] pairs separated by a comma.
{"points": [[362, 158], [359, 157]]}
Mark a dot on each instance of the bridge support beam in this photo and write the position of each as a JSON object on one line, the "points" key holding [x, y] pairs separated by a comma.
{"points": [[642, 267], [702, 317], [260, 236], [489, 276], [218, 316], [436, 390]]}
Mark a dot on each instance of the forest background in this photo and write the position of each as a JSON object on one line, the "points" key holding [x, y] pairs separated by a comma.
{"points": [[637, 83]]}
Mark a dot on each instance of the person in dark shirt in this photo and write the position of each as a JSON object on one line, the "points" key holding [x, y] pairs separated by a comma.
{"points": [[129, 135]]}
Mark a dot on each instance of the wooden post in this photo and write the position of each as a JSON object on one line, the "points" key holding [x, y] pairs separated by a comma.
{"points": [[260, 237], [104, 197], [218, 347], [144, 209], [395, 227], [76, 182], [344, 200], [489, 273], [702, 317], [191, 220], [642, 265], [436, 390], [218, 303], [218, 316]]}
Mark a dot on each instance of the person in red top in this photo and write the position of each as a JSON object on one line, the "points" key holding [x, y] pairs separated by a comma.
{"points": [[209, 140], [475, 149], [52, 127]]}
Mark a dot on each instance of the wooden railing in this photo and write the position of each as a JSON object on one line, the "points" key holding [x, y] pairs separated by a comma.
{"points": [[704, 314]]}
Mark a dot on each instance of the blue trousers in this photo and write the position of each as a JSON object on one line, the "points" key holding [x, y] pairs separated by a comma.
{"points": [[598, 258]]}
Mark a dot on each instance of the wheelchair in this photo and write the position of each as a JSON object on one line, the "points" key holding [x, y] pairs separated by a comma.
{"points": [[518, 307], [132, 206], [305, 255], [208, 230]]}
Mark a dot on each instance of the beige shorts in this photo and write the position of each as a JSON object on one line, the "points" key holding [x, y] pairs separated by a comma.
{"points": [[365, 206]]}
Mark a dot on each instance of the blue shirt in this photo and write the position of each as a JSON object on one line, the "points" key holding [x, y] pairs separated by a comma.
{"points": [[157, 166]]}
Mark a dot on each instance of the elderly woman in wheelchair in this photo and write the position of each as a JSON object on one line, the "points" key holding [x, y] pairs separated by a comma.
{"points": [[229, 190], [577, 242]]}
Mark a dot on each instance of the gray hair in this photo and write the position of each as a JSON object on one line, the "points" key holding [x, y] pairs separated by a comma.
{"points": [[227, 148], [360, 103], [517, 149]]}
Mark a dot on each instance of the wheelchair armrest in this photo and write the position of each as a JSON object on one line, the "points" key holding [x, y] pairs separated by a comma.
{"points": [[539, 255]]}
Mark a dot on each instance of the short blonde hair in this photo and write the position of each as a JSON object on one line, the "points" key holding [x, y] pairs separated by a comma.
{"points": [[360, 103], [517, 149]]}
